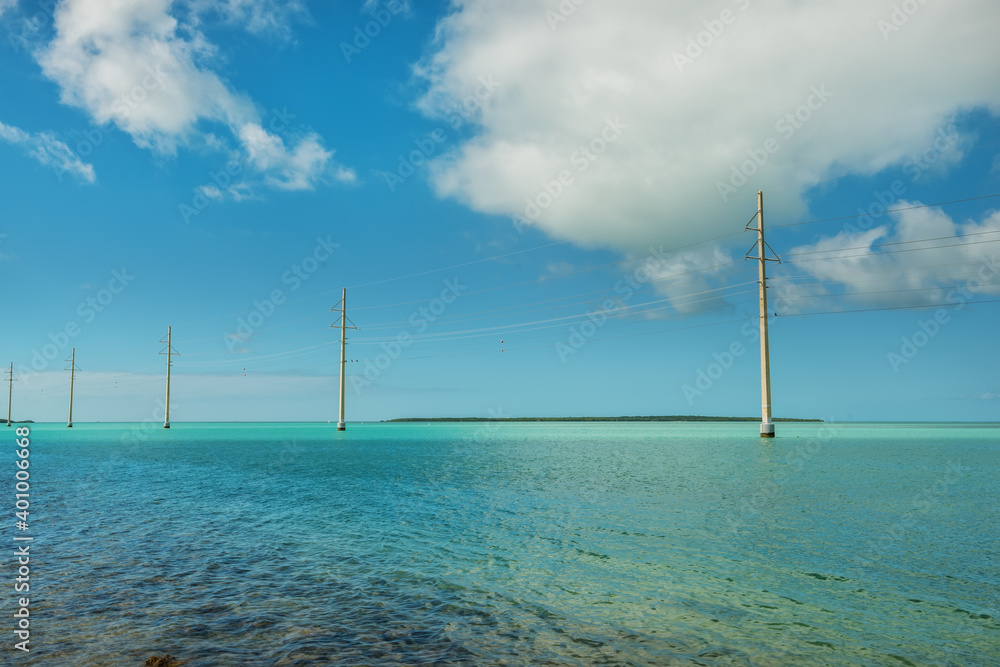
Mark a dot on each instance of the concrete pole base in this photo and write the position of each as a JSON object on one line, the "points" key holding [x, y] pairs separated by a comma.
{"points": [[767, 430], [69, 425], [166, 425], [341, 426]]}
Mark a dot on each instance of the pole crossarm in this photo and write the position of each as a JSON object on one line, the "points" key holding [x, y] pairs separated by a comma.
{"points": [[169, 350], [767, 246], [351, 325]]}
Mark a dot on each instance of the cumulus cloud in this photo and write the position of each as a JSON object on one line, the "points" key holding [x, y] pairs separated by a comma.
{"points": [[789, 91], [49, 151], [921, 257], [135, 65], [696, 281]]}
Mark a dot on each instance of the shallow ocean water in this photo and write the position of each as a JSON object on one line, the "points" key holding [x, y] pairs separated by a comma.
{"points": [[519, 544]]}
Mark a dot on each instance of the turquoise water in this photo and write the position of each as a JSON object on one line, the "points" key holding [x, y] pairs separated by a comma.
{"points": [[518, 544]]}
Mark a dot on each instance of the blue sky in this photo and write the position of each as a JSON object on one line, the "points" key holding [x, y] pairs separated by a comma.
{"points": [[483, 178]]}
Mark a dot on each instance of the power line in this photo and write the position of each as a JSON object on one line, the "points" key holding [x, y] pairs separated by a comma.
{"points": [[517, 336], [883, 272], [628, 312], [891, 291], [573, 273], [591, 340], [510, 329], [890, 210], [458, 266], [452, 319], [567, 274], [892, 252], [712, 324], [263, 357], [873, 310], [895, 243]]}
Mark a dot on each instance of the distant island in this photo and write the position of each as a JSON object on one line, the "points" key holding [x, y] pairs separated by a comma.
{"points": [[666, 418]]}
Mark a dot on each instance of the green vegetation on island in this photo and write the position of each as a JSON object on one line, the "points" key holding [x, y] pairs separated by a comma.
{"points": [[666, 418]]}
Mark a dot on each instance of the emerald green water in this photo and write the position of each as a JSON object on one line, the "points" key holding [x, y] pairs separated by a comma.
{"points": [[557, 544]]}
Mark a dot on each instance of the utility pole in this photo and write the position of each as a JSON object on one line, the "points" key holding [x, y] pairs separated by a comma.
{"points": [[10, 391], [168, 350], [341, 422], [766, 425], [72, 376]]}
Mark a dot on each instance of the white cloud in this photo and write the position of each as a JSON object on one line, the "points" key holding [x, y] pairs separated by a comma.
{"points": [[260, 17], [894, 264], [690, 123], [556, 269], [288, 169], [135, 65], [696, 281], [345, 175], [210, 191], [5, 5], [49, 151]]}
